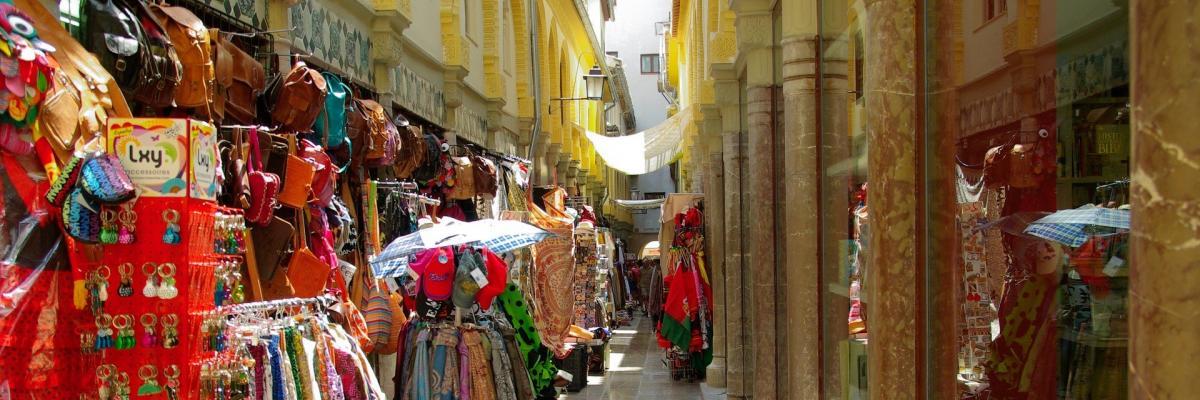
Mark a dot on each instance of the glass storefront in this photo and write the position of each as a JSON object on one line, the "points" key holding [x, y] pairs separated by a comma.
{"points": [[1035, 99], [1025, 123]]}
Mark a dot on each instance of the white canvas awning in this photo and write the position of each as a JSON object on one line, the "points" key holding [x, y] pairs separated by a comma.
{"points": [[641, 204], [647, 150]]}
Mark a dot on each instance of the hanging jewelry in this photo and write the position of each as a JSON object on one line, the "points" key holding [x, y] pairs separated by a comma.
{"points": [[104, 375], [128, 220], [171, 372], [170, 336], [87, 342], [238, 294], [149, 375], [166, 287], [121, 386], [150, 290], [125, 289], [171, 235], [99, 288], [239, 234], [108, 226], [104, 332], [220, 276], [123, 324], [219, 229], [149, 336]]}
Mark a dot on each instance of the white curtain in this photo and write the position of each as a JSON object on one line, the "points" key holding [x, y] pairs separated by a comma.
{"points": [[647, 150]]}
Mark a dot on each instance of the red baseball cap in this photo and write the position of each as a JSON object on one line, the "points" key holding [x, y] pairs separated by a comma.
{"points": [[497, 276], [436, 270]]}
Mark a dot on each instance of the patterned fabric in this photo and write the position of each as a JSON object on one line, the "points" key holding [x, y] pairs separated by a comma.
{"points": [[464, 371], [418, 383], [516, 359], [482, 385], [502, 371], [553, 263], [584, 288], [443, 369], [1074, 227]]}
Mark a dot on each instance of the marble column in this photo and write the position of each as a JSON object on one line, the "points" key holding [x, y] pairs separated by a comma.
{"points": [[714, 202], [800, 182], [1165, 171], [892, 150], [737, 342]]}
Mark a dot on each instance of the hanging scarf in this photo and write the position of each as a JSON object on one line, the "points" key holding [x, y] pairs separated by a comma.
{"points": [[554, 262]]}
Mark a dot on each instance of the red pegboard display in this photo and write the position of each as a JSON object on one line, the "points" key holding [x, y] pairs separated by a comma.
{"points": [[194, 260]]}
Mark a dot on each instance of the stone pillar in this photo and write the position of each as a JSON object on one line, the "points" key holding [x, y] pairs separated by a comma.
{"points": [[540, 148], [563, 170], [735, 321], [714, 201], [756, 54], [577, 176], [892, 150], [800, 183], [1164, 277]]}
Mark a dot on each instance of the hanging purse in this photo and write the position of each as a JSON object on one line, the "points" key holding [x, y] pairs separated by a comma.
{"points": [[249, 79], [378, 314], [160, 72], [81, 217], [297, 180], [299, 99], [194, 49], [64, 184], [264, 186], [270, 244], [103, 178], [331, 121], [484, 172], [306, 272], [464, 180]]}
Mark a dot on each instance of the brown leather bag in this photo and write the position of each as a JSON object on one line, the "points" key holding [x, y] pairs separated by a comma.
{"points": [[299, 99], [194, 48], [83, 96], [464, 179], [306, 272], [270, 244], [249, 79], [485, 176], [223, 70]]}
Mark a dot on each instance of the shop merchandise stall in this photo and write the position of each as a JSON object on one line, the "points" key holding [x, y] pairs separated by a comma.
{"points": [[181, 218], [684, 327]]}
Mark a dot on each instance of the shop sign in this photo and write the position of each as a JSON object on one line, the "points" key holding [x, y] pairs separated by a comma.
{"points": [[418, 95], [166, 157], [251, 12], [336, 39], [471, 126]]}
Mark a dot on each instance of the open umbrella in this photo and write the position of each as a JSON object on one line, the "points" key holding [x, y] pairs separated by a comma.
{"points": [[499, 236], [1073, 227]]}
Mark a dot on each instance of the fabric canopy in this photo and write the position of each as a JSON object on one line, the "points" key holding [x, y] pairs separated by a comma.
{"points": [[641, 204], [647, 150]]}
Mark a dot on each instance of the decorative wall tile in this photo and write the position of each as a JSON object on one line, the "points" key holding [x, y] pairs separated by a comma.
{"points": [[333, 38]]}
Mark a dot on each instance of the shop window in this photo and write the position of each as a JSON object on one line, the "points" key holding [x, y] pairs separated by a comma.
{"points": [[651, 64]]}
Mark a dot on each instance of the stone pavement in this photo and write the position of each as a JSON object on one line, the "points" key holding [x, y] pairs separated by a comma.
{"points": [[636, 371]]}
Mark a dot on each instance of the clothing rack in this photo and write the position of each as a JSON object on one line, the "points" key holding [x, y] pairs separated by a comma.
{"points": [[1113, 185], [320, 301], [408, 186]]}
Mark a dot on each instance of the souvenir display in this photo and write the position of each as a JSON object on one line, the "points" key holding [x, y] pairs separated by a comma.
{"points": [[219, 243]]}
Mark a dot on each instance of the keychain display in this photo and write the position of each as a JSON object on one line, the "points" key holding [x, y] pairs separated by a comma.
{"points": [[170, 332], [125, 288], [150, 289], [171, 373], [97, 284], [150, 386], [108, 225], [123, 325], [104, 332], [166, 286], [172, 234], [149, 336], [128, 222], [229, 233]]}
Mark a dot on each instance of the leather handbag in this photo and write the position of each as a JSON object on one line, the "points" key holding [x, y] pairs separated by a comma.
{"points": [[299, 99], [83, 94], [484, 172], [115, 35], [194, 49], [297, 181], [103, 178], [264, 186], [331, 121], [324, 172], [464, 179], [412, 147], [222, 59], [249, 81], [81, 217], [306, 272], [161, 73], [377, 136], [270, 244]]}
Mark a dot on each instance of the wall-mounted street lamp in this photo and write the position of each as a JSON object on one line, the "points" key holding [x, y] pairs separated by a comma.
{"points": [[593, 85]]}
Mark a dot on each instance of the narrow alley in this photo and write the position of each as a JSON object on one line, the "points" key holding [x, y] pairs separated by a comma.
{"points": [[637, 371]]}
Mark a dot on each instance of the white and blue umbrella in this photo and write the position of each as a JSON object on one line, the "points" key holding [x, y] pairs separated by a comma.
{"points": [[499, 236], [1075, 226]]}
